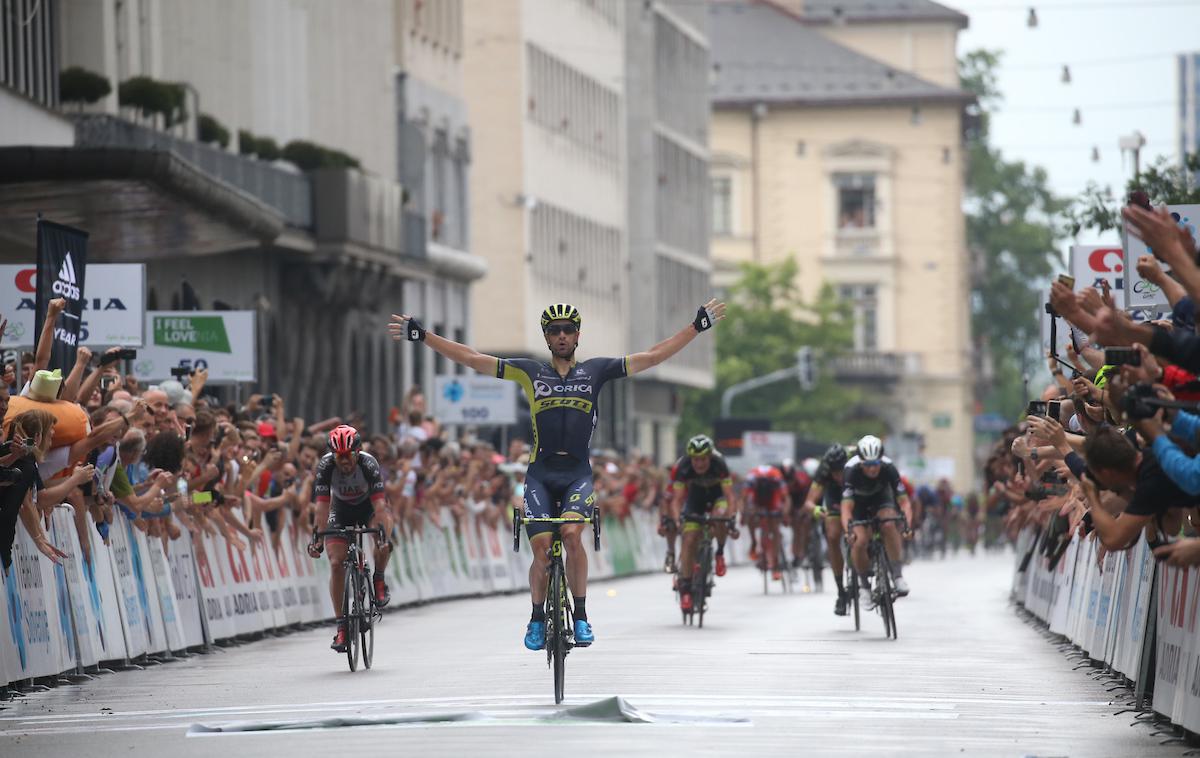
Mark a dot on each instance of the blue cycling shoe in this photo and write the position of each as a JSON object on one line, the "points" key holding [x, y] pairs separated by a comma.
{"points": [[583, 633], [535, 635]]}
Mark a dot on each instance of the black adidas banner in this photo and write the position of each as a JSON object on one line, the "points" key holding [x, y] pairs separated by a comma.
{"points": [[62, 262]]}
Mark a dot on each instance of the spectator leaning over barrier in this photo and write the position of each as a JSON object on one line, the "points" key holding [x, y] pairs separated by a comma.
{"points": [[1114, 463], [30, 432]]}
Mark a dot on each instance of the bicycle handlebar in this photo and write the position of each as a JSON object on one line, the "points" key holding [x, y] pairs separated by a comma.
{"points": [[346, 531], [520, 518]]}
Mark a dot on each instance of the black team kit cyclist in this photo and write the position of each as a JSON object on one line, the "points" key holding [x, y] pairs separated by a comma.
{"points": [[873, 489], [826, 492], [703, 479], [562, 395]]}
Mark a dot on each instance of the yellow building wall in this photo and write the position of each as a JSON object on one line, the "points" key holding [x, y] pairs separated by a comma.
{"points": [[492, 64], [922, 266], [926, 50]]}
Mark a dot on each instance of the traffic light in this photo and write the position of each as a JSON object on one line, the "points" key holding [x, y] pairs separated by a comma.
{"points": [[806, 368]]}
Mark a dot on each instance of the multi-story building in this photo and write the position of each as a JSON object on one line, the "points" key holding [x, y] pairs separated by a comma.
{"points": [[324, 255], [837, 141], [667, 64], [1188, 65], [589, 187]]}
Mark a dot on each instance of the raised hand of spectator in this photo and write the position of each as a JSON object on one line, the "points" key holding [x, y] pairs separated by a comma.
{"points": [[1160, 232], [1085, 388], [47, 548], [1149, 269], [1090, 300], [10, 373], [82, 473], [83, 355], [1048, 430], [55, 308]]}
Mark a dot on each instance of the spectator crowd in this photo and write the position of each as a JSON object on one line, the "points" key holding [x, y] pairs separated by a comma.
{"points": [[1110, 448]]}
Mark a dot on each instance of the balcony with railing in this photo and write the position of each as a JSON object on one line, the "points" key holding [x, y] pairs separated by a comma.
{"points": [[863, 366], [287, 191]]}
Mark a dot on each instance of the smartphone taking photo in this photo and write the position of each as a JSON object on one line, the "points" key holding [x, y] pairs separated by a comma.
{"points": [[1122, 356]]}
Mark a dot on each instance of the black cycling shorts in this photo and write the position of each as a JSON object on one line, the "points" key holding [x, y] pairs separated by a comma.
{"points": [[555, 485], [343, 515], [868, 507]]}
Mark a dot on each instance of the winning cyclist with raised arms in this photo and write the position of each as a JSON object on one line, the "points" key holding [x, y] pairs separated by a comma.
{"points": [[562, 395]]}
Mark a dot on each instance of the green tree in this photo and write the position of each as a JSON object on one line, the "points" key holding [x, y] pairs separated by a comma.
{"points": [[766, 323], [1012, 232], [1164, 181]]}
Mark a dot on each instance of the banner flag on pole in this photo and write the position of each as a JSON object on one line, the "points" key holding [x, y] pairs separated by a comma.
{"points": [[62, 262]]}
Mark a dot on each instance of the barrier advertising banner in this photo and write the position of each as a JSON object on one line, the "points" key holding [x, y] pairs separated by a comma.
{"points": [[221, 341], [478, 400], [113, 306]]}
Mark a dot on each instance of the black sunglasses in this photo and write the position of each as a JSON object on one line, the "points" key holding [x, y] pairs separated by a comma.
{"points": [[555, 329]]}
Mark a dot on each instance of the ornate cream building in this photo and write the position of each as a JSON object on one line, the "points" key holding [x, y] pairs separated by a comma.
{"points": [[837, 140]]}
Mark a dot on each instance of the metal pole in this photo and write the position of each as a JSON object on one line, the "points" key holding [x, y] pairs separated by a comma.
{"points": [[742, 387]]}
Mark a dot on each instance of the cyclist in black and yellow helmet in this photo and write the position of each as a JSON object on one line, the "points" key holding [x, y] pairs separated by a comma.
{"points": [[703, 478], [562, 395]]}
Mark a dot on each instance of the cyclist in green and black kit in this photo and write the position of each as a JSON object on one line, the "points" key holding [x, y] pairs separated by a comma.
{"points": [[826, 494], [702, 479]]}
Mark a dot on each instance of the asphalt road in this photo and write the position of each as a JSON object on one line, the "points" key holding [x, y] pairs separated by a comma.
{"points": [[767, 675]]}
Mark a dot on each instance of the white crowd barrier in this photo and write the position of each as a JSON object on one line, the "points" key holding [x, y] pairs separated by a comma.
{"points": [[1126, 611], [142, 595]]}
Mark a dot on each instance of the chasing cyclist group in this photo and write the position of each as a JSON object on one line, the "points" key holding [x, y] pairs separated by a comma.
{"points": [[563, 393], [847, 493]]}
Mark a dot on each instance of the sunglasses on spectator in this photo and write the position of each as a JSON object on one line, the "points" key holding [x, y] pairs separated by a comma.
{"points": [[556, 329]]}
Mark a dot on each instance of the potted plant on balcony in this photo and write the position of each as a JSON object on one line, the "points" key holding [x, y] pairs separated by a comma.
{"points": [[78, 85], [211, 131]]}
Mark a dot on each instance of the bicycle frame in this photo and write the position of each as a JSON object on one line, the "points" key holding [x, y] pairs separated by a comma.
{"points": [[559, 615], [880, 563], [701, 579]]}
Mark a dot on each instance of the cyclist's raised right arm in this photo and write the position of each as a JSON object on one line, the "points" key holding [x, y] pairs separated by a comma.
{"points": [[463, 355]]}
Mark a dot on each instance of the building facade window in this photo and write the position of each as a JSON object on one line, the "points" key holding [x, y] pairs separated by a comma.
{"points": [[569, 250], [864, 302], [573, 105], [722, 205], [856, 200]]}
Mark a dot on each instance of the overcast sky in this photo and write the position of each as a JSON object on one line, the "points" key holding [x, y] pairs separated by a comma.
{"points": [[1123, 78]]}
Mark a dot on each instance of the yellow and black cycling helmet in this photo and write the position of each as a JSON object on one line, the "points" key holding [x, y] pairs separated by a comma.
{"points": [[561, 312], [699, 445]]}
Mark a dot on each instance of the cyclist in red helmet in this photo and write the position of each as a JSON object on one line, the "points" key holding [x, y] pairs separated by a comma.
{"points": [[349, 492]]}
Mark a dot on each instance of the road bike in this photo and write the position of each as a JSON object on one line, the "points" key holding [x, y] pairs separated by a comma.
{"points": [[560, 619], [783, 564], [884, 593], [359, 612], [814, 555], [702, 569]]}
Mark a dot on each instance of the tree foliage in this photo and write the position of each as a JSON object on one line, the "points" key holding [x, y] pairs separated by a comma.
{"points": [[1012, 231], [1164, 180], [766, 323], [152, 97], [310, 156]]}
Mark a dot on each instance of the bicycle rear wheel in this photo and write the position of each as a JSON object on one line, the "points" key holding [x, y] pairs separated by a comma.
{"points": [[366, 621], [558, 638], [350, 616]]}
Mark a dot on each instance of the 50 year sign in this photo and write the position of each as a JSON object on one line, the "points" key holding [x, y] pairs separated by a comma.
{"points": [[221, 341]]}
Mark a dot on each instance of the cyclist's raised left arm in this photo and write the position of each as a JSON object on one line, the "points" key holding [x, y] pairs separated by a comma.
{"points": [[405, 327], [708, 314]]}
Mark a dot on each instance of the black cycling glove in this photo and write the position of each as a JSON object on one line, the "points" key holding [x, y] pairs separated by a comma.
{"points": [[703, 319], [414, 331]]}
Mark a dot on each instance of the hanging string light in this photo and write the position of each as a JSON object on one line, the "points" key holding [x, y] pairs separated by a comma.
{"points": [[1066, 74], [1095, 155], [1078, 119], [1032, 21]]}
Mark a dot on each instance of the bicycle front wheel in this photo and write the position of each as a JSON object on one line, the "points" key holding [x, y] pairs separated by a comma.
{"points": [[350, 616], [366, 620], [853, 589], [700, 582], [558, 638], [887, 594]]}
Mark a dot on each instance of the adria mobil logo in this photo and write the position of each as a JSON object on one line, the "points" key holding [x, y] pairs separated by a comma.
{"points": [[1100, 258], [192, 333], [66, 284]]}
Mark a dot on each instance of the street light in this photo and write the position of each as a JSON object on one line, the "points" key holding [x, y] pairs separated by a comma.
{"points": [[1133, 143]]}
